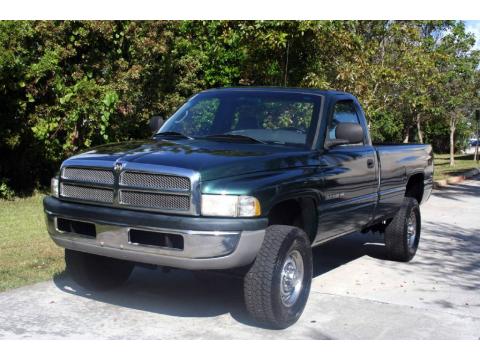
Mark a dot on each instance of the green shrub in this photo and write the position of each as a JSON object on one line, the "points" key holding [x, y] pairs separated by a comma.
{"points": [[5, 192]]}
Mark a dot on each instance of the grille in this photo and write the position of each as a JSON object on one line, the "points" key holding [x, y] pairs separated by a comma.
{"points": [[86, 193], [155, 201], [136, 189], [89, 175], [155, 181]]}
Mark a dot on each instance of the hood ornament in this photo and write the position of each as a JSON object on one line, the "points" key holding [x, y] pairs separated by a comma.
{"points": [[118, 166]]}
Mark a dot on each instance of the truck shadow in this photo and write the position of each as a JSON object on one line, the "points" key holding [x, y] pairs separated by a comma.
{"points": [[181, 293], [341, 251], [449, 257]]}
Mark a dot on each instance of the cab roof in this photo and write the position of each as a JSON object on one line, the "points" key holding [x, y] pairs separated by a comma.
{"points": [[297, 90]]}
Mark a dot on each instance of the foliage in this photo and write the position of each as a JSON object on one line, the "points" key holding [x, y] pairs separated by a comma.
{"points": [[5, 192], [69, 85]]}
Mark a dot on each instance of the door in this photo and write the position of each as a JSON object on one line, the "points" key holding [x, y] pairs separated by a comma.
{"points": [[349, 173]]}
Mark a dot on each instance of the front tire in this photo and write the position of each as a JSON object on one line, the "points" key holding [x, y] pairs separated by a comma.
{"points": [[402, 234], [95, 272], [277, 285]]}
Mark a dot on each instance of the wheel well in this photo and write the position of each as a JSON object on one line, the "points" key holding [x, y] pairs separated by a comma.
{"points": [[415, 187], [299, 212]]}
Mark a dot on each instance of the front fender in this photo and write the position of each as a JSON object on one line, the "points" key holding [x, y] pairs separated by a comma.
{"points": [[271, 187]]}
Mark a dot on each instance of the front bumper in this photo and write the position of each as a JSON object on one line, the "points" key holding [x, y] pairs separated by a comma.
{"points": [[208, 243]]}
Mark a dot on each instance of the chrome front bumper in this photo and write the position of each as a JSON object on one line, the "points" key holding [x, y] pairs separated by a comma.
{"points": [[202, 250]]}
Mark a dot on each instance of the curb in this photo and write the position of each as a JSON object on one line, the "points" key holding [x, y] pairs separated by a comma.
{"points": [[451, 180]]}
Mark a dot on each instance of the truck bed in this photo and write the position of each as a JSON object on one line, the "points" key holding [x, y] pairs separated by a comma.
{"points": [[398, 163]]}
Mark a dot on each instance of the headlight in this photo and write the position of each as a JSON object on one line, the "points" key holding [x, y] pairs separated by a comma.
{"points": [[230, 205], [54, 186]]}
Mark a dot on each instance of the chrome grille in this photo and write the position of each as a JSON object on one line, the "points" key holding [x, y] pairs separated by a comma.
{"points": [[99, 176], [154, 200], [155, 181], [86, 193], [131, 188]]}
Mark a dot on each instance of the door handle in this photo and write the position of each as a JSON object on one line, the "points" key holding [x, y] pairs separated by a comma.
{"points": [[370, 163]]}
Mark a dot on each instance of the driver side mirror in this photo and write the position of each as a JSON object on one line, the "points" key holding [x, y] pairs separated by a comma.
{"points": [[346, 133], [156, 123]]}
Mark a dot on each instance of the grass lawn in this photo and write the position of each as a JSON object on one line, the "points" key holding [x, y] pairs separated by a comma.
{"points": [[27, 254], [462, 163]]}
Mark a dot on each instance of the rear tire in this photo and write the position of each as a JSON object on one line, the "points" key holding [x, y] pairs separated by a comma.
{"points": [[402, 234], [277, 285], [95, 272]]}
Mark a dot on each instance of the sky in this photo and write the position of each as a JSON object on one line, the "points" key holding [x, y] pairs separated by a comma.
{"points": [[473, 26]]}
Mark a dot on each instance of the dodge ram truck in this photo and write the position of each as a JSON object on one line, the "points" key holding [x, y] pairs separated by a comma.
{"points": [[243, 180]]}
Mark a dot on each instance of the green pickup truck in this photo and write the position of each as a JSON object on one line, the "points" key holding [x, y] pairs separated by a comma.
{"points": [[243, 180]]}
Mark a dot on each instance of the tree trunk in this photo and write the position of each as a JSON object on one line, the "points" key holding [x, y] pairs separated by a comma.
{"points": [[476, 143], [475, 158], [452, 143], [419, 128], [75, 137], [286, 66], [407, 136]]}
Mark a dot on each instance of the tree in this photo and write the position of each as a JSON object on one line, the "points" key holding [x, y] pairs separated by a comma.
{"points": [[457, 65], [69, 85]]}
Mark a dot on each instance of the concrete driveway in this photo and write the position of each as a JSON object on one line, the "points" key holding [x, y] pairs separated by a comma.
{"points": [[356, 294]]}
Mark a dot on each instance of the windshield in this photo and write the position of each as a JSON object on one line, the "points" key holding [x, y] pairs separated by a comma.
{"points": [[268, 117]]}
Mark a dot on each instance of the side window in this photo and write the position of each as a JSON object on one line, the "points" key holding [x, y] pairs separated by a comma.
{"points": [[344, 112]]}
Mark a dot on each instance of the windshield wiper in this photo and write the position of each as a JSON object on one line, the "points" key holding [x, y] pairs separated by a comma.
{"points": [[234, 137], [172, 134]]}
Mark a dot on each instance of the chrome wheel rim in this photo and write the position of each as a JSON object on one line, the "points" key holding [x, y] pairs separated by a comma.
{"points": [[291, 280], [411, 230]]}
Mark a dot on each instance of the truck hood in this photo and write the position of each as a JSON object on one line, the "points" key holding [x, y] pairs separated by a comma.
{"points": [[212, 159]]}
